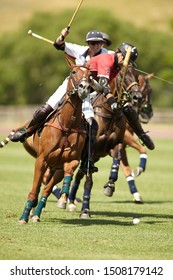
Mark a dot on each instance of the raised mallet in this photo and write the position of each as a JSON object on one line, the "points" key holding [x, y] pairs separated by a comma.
{"points": [[73, 16], [125, 65], [68, 27]]}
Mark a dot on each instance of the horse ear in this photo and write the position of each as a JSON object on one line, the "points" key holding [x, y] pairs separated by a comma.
{"points": [[69, 62]]}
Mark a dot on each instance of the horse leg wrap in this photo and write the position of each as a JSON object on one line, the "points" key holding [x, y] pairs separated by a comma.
{"points": [[56, 191], [28, 206], [66, 185], [143, 161], [131, 183], [114, 170], [40, 206], [86, 199]]}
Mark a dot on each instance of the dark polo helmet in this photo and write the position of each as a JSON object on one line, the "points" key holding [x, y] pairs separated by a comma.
{"points": [[134, 54], [107, 39], [94, 35]]}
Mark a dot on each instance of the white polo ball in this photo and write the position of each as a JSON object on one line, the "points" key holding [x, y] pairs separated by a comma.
{"points": [[136, 221]]}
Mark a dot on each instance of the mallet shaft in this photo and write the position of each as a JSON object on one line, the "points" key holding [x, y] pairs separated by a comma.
{"points": [[68, 27], [39, 37], [80, 3], [125, 64], [73, 16]]}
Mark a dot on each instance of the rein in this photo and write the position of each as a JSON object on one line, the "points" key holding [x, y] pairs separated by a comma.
{"points": [[101, 105], [131, 85], [72, 89], [73, 84]]}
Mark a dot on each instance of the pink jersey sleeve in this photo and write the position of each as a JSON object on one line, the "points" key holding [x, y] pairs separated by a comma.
{"points": [[102, 64]]}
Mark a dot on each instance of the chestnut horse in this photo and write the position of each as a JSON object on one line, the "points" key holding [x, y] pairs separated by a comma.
{"points": [[110, 134], [145, 113], [61, 143]]}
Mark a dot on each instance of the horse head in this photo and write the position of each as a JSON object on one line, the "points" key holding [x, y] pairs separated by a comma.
{"points": [[130, 88], [79, 80], [145, 110]]}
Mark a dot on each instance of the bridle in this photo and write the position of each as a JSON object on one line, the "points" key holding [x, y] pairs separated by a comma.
{"points": [[79, 86], [131, 93]]}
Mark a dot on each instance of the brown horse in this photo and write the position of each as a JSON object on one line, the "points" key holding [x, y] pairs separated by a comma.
{"points": [[145, 114], [60, 145], [110, 134]]}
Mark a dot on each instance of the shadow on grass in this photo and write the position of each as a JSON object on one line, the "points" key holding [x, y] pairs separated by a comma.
{"points": [[122, 202], [131, 202], [95, 220]]}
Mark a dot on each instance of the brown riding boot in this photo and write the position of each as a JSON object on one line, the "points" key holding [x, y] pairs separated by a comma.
{"points": [[39, 116], [133, 120]]}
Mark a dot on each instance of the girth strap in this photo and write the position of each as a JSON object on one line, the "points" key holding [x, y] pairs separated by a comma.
{"points": [[71, 130]]}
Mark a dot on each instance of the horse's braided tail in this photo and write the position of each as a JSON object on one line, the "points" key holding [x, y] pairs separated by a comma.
{"points": [[6, 140]]}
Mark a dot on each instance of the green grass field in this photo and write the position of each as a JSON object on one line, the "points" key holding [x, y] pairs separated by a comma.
{"points": [[110, 233]]}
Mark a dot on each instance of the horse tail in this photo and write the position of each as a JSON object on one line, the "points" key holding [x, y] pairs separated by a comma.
{"points": [[6, 140]]}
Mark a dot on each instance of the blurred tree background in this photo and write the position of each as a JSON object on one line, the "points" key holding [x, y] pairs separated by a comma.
{"points": [[31, 69]]}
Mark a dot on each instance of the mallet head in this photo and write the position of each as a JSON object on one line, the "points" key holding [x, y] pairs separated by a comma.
{"points": [[30, 32]]}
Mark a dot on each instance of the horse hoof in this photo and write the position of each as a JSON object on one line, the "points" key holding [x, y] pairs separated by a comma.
{"points": [[137, 198], [35, 219], [61, 204], [137, 171], [22, 222], [31, 212], [108, 191], [78, 200], [71, 207], [85, 214]]}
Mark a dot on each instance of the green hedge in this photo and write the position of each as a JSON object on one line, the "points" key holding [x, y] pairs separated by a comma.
{"points": [[32, 69]]}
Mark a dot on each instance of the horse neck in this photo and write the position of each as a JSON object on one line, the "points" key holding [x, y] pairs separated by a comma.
{"points": [[130, 76]]}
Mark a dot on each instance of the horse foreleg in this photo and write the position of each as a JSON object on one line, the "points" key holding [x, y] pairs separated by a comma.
{"points": [[40, 168], [129, 178], [109, 187], [85, 211], [69, 169], [142, 165], [62, 202], [73, 191], [56, 177], [131, 141]]}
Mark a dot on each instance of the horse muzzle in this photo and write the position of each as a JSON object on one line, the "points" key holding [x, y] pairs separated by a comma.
{"points": [[83, 90]]}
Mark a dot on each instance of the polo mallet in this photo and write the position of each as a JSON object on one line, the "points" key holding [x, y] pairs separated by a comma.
{"points": [[73, 16], [62, 37], [125, 65], [39, 37], [161, 79]]}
